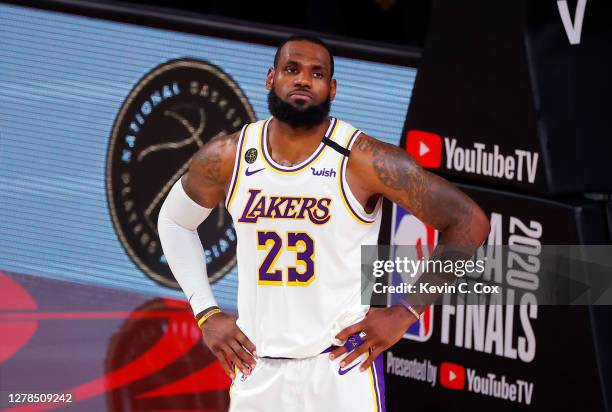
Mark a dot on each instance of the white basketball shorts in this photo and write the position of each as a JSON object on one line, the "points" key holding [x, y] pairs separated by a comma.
{"points": [[309, 385]]}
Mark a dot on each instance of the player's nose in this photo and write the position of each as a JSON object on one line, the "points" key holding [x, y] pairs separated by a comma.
{"points": [[302, 80]]}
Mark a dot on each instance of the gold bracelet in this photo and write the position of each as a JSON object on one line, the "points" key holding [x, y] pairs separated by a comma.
{"points": [[416, 314], [410, 309], [208, 315]]}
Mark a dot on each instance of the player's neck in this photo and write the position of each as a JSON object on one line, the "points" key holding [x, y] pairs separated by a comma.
{"points": [[289, 145]]}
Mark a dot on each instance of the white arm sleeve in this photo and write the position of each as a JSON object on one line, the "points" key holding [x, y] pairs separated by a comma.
{"points": [[178, 220]]}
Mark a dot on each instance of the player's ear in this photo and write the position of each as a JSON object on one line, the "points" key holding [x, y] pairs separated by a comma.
{"points": [[332, 89], [269, 78]]}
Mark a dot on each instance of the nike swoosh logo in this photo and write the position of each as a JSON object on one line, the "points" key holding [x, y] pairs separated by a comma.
{"points": [[343, 371], [249, 173]]}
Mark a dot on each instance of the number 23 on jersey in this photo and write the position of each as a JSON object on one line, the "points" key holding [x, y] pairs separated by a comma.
{"points": [[299, 243]]}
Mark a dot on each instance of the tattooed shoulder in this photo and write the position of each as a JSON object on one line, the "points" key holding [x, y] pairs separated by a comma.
{"points": [[213, 163], [397, 172]]}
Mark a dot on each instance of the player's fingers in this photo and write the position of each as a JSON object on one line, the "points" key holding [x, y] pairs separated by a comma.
{"points": [[339, 351], [244, 341], [350, 330], [224, 363], [244, 356], [368, 362], [357, 352], [229, 352]]}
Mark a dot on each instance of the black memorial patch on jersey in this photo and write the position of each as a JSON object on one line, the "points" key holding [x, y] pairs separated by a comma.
{"points": [[250, 156]]}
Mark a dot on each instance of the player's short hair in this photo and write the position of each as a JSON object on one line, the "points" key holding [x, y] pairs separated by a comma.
{"points": [[311, 39]]}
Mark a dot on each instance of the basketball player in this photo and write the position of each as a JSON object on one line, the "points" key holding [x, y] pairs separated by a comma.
{"points": [[305, 192]]}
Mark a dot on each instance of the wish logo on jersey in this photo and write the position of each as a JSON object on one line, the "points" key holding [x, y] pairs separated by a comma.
{"points": [[323, 172], [408, 230]]}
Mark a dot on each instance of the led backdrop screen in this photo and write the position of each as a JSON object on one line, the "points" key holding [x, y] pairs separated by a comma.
{"points": [[98, 118]]}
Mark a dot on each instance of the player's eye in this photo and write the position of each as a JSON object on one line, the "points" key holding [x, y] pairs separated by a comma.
{"points": [[318, 75], [291, 69]]}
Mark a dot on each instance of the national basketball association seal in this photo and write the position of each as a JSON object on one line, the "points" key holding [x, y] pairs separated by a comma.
{"points": [[169, 114]]}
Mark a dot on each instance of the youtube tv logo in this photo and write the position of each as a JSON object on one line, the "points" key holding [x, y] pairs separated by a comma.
{"points": [[425, 147], [452, 375]]}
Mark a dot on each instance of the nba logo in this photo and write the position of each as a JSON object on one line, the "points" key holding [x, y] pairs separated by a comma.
{"points": [[422, 329], [408, 230]]}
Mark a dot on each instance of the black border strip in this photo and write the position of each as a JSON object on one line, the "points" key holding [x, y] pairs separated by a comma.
{"points": [[233, 29], [343, 151]]}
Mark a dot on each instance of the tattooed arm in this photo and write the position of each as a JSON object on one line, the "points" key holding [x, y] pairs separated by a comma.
{"points": [[210, 171], [378, 169], [384, 169], [206, 183]]}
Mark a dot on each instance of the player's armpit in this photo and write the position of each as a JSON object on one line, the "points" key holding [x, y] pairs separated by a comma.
{"points": [[376, 167], [210, 170]]}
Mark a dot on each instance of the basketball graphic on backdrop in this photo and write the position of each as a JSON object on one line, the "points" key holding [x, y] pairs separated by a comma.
{"points": [[169, 114]]}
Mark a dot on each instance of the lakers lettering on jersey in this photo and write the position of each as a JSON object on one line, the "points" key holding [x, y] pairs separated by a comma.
{"points": [[300, 231]]}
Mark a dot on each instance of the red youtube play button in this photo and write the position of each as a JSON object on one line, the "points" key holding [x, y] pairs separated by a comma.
{"points": [[425, 147], [452, 375]]}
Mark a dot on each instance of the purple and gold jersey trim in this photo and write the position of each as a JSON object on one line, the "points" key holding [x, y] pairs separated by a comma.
{"points": [[237, 167], [378, 384], [353, 211], [263, 148], [229, 407]]}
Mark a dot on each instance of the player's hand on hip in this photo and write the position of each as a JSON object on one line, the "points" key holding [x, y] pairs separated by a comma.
{"points": [[383, 327], [227, 342]]}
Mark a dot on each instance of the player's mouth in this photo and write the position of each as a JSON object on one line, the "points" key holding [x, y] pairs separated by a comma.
{"points": [[300, 95]]}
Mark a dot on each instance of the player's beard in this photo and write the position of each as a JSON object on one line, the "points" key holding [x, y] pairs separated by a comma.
{"points": [[296, 117]]}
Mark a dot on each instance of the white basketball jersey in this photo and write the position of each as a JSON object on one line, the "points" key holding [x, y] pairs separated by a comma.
{"points": [[300, 231]]}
